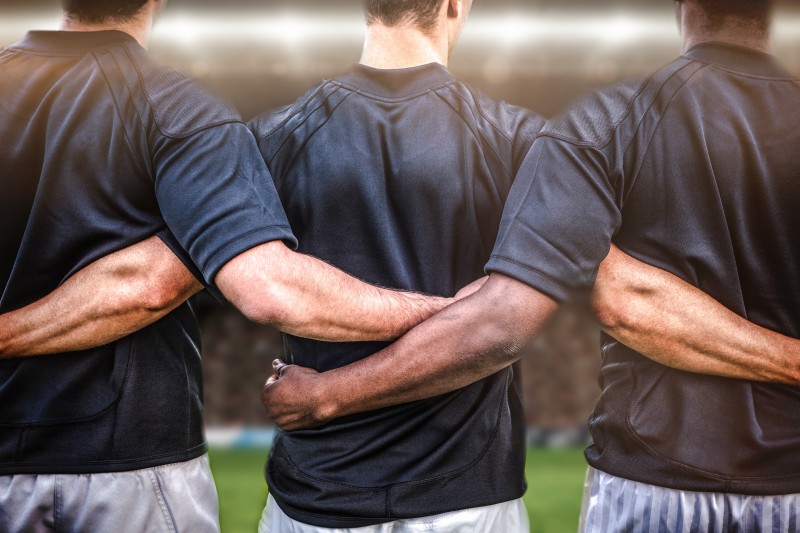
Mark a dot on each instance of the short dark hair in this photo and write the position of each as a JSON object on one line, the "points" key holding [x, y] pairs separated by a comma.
{"points": [[421, 13], [103, 10]]}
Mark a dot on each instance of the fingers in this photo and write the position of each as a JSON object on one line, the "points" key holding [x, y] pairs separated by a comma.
{"points": [[279, 367]]}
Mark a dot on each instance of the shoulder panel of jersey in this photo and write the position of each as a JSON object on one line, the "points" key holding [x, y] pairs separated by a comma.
{"points": [[180, 105], [595, 120], [618, 124], [273, 128], [500, 124], [287, 129]]}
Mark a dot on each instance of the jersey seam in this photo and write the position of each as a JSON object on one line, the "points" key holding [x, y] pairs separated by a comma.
{"points": [[390, 100], [157, 119], [479, 136], [128, 140], [131, 90], [306, 140], [601, 144], [52, 53], [296, 111], [305, 119], [483, 113], [635, 177]]}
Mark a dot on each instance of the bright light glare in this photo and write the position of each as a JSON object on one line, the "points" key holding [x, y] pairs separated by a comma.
{"points": [[507, 30], [571, 29], [285, 29]]}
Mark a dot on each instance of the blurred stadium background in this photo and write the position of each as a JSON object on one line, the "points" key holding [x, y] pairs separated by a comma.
{"points": [[541, 54]]}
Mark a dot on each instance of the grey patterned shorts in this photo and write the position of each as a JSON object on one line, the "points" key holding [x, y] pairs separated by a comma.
{"points": [[616, 505]]}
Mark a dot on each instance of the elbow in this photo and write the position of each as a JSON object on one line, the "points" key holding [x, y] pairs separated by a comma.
{"points": [[265, 307], [259, 312], [162, 294], [160, 300], [613, 309]]}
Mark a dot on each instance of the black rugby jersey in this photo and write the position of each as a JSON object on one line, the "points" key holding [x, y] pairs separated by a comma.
{"points": [[101, 148], [696, 170], [399, 178]]}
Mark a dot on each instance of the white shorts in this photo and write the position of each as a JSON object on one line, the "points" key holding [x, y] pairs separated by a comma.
{"points": [[176, 498], [509, 517]]}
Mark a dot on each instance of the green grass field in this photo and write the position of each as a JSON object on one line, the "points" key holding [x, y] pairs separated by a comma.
{"points": [[555, 479]]}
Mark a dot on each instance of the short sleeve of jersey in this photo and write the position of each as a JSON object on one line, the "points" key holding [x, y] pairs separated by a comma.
{"points": [[559, 219], [217, 196]]}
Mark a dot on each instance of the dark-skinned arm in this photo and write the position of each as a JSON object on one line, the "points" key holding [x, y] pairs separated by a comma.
{"points": [[646, 308], [107, 300], [676, 324], [468, 341]]}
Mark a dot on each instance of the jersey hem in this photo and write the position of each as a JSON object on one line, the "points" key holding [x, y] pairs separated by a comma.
{"points": [[103, 467]]}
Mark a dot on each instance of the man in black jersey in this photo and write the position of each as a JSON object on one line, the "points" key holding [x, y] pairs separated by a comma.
{"points": [[101, 148], [693, 170], [397, 172]]}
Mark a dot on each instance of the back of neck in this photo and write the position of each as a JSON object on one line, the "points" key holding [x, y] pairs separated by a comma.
{"points": [[733, 30], [403, 46], [138, 28]]}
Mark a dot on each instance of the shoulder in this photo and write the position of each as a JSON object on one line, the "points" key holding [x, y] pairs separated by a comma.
{"points": [[595, 120], [514, 122], [181, 106], [274, 120]]}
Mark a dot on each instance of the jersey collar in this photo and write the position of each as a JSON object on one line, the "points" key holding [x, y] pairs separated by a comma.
{"points": [[397, 83], [738, 58], [72, 41]]}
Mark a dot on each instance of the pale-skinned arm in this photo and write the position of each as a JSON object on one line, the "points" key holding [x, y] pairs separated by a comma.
{"points": [[304, 296], [107, 300], [470, 340], [133, 288], [677, 325]]}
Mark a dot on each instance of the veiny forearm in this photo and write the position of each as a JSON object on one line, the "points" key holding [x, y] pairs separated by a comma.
{"points": [[677, 325], [306, 297], [109, 299], [468, 341]]}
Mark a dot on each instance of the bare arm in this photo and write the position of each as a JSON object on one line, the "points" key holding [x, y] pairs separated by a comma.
{"points": [[468, 341], [109, 299], [304, 296], [128, 290], [677, 325]]}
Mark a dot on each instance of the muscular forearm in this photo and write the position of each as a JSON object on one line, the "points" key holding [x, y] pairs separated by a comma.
{"points": [[107, 300], [468, 341], [676, 324], [304, 296]]}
